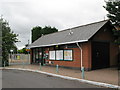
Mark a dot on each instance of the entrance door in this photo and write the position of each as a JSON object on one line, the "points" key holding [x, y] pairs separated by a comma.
{"points": [[100, 55], [38, 56], [41, 56]]}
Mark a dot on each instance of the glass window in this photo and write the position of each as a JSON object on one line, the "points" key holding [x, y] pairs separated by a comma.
{"points": [[59, 54], [52, 55], [68, 55]]}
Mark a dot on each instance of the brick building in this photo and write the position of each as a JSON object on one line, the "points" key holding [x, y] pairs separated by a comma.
{"points": [[90, 46]]}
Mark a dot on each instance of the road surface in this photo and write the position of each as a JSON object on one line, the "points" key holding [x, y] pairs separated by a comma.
{"points": [[25, 79]]}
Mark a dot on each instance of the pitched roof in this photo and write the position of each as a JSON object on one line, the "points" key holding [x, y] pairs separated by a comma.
{"points": [[78, 34]]}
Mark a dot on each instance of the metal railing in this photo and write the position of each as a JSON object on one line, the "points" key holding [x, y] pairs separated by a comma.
{"points": [[19, 59]]}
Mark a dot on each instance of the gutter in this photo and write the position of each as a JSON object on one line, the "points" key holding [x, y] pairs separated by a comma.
{"points": [[32, 46]]}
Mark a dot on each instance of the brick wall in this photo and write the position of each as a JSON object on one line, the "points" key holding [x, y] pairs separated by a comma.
{"points": [[76, 63], [31, 56], [87, 55], [106, 35], [103, 35]]}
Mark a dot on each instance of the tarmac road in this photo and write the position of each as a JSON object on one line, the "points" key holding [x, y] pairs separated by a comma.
{"points": [[25, 79]]}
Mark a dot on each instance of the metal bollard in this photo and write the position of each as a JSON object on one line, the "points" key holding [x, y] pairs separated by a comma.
{"points": [[40, 66], [83, 75], [57, 70]]}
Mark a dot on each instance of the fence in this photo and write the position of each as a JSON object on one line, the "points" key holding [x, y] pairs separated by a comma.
{"points": [[19, 59]]}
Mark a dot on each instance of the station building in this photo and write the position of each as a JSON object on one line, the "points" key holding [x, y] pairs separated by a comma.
{"points": [[90, 46]]}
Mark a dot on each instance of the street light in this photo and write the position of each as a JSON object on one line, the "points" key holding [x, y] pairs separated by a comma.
{"points": [[1, 20], [28, 50], [11, 54]]}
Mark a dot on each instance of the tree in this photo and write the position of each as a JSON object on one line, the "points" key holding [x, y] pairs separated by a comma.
{"points": [[48, 30], [22, 51], [9, 38], [38, 31], [113, 8]]}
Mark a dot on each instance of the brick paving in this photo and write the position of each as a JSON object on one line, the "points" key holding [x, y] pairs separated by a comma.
{"points": [[108, 75]]}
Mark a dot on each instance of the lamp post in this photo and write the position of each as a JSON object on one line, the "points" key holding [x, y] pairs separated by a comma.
{"points": [[11, 54], [1, 19], [28, 50]]}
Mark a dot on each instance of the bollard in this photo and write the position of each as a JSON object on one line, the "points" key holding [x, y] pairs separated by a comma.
{"points": [[82, 69], [57, 71], [40, 66]]}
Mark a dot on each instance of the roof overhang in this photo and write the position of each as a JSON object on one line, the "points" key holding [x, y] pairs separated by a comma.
{"points": [[57, 44]]}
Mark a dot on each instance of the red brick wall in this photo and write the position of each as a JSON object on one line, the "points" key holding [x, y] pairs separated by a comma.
{"points": [[87, 55], [113, 54], [107, 35], [86, 47], [74, 63], [31, 55]]}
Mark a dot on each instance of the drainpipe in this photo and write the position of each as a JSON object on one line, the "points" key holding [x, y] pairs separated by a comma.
{"points": [[81, 54], [82, 68]]}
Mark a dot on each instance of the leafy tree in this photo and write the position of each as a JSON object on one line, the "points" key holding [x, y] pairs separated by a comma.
{"points": [[9, 38], [48, 30], [22, 51], [38, 31], [113, 8]]}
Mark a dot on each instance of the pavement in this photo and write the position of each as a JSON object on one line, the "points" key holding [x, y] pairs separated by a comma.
{"points": [[108, 75]]}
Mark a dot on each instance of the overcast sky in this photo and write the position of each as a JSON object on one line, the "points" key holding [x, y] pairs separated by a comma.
{"points": [[23, 15]]}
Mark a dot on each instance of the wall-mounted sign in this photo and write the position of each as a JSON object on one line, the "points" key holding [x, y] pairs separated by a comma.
{"points": [[27, 50], [52, 55], [67, 54], [59, 54]]}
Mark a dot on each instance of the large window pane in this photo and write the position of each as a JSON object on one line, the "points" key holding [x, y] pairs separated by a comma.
{"points": [[52, 55], [59, 54], [68, 55]]}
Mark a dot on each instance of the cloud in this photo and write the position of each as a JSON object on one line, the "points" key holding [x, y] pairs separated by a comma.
{"points": [[23, 15]]}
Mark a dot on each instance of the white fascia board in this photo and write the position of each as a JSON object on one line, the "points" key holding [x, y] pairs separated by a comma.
{"points": [[59, 43]]}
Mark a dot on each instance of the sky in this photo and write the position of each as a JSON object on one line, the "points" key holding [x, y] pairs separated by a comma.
{"points": [[23, 15]]}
